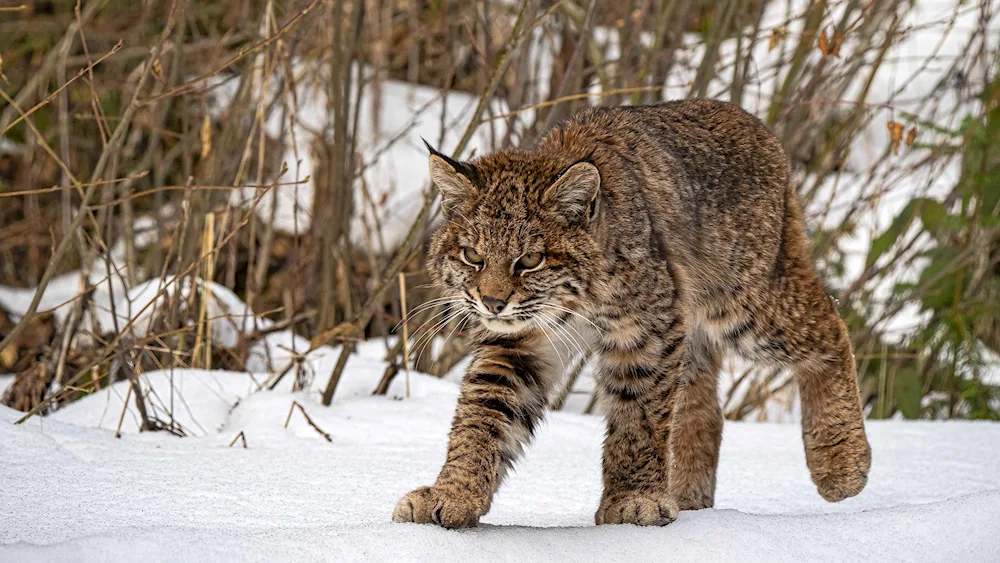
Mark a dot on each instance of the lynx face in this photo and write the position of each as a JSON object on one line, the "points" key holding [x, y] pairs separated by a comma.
{"points": [[515, 246]]}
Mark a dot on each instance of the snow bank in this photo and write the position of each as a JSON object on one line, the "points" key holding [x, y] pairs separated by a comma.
{"points": [[947, 531], [71, 491]]}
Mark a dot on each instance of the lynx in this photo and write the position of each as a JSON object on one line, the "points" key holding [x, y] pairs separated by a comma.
{"points": [[672, 233]]}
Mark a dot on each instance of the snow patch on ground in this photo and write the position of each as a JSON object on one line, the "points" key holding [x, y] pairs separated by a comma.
{"points": [[73, 491]]}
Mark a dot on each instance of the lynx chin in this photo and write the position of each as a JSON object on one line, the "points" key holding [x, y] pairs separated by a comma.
{"points": [[665, 235]]}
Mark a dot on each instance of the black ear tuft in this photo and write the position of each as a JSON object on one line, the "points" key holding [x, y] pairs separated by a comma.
{"points": [[455, 180], [431, 149], [463, 168]]}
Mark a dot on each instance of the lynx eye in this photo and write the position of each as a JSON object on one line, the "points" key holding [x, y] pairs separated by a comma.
{"points": [[529, 261], [472, 257]]}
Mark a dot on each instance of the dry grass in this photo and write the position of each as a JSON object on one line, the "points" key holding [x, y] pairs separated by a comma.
{"points": [[109, 113]]}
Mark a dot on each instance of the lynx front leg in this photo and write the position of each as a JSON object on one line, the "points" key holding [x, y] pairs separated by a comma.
{"points": [[638, 374], [696, 433], [501, 400]]}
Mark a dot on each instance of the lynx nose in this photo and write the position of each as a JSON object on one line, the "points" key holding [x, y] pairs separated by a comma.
{"points": [[494, 305]]}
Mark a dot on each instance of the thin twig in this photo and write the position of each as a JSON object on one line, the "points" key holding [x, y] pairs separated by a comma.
{"points": [[112, 147], [121, 417], [53, 95], [243, 437], [243, 52], [406, 343], [309, 420]]}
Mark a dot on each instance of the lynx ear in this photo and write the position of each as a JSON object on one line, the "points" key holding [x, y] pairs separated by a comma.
{"points": [[574, 193], [452, 179]]}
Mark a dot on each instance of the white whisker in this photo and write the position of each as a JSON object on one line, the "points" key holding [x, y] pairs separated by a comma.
{"points": [[539, 318], [462, 319], [432, 332], [563, 328], [431, 319], [570, 311], [581, 339], [454, 329], [561, 333], [418, 336], [424, 306]]}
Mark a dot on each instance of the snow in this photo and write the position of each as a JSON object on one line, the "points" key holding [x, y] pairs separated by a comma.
{"points": [[73, 491]]}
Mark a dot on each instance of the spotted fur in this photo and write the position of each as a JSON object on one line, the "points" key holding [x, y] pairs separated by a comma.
{"points": [[672, 229]]}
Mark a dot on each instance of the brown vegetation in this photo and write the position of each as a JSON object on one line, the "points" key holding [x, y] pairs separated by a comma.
{"points": [[108, 118]]}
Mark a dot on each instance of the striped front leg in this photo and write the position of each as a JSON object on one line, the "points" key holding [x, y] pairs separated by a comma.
{"points": [[640, 364], [502, 399]]}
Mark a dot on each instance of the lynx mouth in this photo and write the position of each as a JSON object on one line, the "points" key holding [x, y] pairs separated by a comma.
{"points": [[502, 325]]}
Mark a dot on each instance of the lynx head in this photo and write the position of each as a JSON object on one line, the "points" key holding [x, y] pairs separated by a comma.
{"points": [[517, 244]]}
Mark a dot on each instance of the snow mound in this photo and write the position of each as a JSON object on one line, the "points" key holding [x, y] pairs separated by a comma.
{"points": [[72, 491]]}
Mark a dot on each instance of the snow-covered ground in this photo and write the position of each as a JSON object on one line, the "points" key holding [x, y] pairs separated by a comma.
{"points": [[71, 491]]}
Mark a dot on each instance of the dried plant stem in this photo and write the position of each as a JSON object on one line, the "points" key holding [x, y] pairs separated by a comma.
{"points": [[114, 143], [592, 403], [243, 437], [243, 52], [720, 30], [203, 336], [574, 375], [574, 67], [53, 95], [121, 417], [415, 233], [59, 52], [406, 339], [309, 420], [72, 324], [580, 96], [807, 41]]}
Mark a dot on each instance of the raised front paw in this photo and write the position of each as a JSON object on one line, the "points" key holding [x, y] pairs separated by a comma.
{"points": [[437, 505], [839, 468], [642, 508]]}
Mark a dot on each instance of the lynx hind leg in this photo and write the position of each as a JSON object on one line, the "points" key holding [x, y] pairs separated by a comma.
{"points": [[833, 428], [696, 433], [798, 327]]}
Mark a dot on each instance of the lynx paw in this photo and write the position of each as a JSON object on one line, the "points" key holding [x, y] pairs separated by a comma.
{"points": [[435, 505], [695, 503], [644, 509], [841, 469]]}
